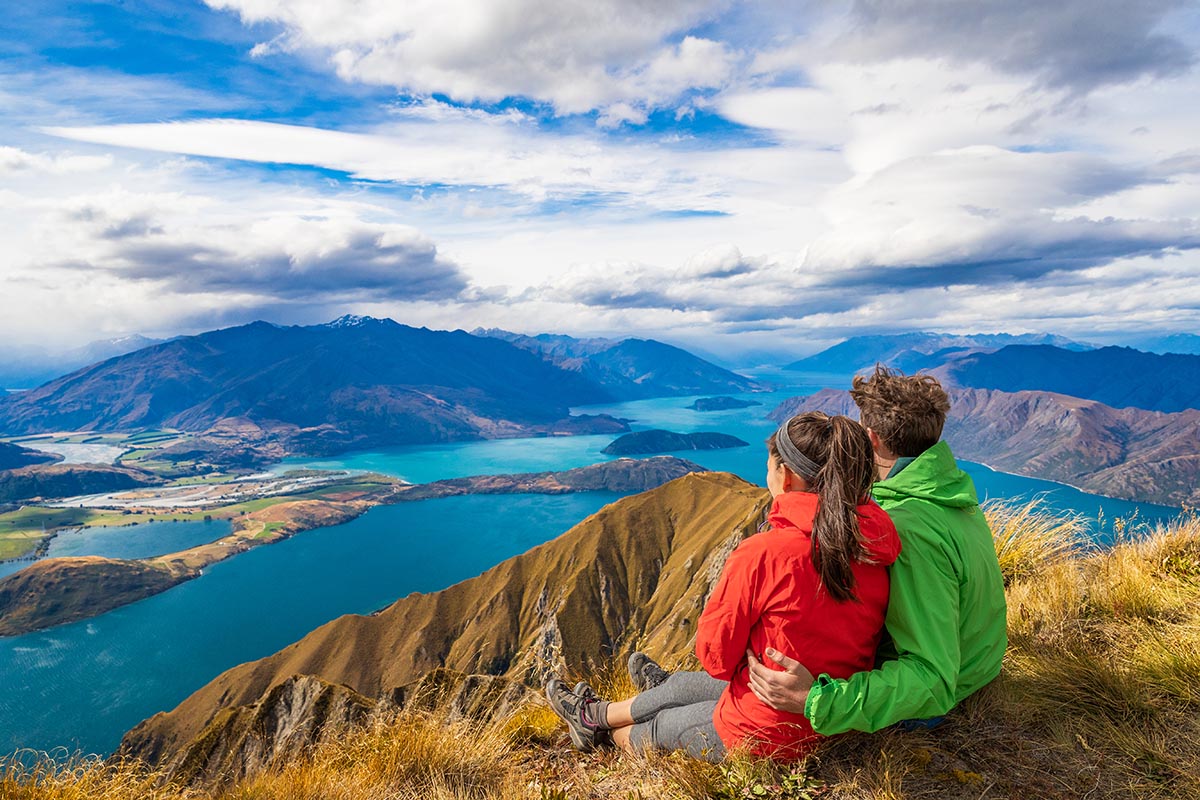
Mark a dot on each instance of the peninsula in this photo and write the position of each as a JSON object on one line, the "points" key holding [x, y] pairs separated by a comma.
{"points": [[56, 591]]}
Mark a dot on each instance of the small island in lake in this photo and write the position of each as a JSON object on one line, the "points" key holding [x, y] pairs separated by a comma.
{"points": [[660, 441], [722, 403]]}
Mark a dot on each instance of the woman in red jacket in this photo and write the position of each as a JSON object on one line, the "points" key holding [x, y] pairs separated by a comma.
{"points": [[816, 580]]}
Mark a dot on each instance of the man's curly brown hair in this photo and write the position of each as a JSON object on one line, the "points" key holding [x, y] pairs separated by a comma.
{"points": [[906, 411]]}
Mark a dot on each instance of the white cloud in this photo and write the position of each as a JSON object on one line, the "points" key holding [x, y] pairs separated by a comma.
{"points": [[577, 55], [901, 172], [1073, 44], [14, 160], [473, 152]]}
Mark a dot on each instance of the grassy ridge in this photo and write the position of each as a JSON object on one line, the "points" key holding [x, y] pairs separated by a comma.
{"points": [[1099, 698]]}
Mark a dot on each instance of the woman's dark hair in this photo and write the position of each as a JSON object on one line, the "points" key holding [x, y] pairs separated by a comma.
{"points": [[841, 451]]}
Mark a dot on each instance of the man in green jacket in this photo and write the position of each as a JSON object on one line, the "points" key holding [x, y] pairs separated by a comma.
{"points": [[946, 620]]}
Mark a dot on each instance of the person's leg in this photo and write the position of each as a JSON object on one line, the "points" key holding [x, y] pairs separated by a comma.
{"points": [[688, 728], [680, 689], [675, 715]]}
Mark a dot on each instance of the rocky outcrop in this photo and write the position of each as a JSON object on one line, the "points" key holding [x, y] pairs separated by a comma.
{"points": [[660, 441], [304, 711], [635, 574]]}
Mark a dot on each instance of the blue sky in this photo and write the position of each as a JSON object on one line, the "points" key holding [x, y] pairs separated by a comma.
{"points": [[762, 177]]}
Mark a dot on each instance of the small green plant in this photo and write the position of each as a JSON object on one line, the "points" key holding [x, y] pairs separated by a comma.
{"points": [[766, 780]]}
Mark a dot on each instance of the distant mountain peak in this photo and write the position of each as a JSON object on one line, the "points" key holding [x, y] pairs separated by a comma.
{"points": [[355, 321]]}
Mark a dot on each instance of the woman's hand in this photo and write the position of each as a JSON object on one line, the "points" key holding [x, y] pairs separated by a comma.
{"points": [[782, 691]]}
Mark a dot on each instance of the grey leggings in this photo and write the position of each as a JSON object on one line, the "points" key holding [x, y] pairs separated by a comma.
{"points": [[678, 715]]}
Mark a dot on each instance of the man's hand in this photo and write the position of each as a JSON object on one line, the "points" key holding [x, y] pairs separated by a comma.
{"points": [[782, 691]]}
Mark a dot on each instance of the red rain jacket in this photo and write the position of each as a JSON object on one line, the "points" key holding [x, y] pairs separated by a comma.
{"points": [[770, 595]]}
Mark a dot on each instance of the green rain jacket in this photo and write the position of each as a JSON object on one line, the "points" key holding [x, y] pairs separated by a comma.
{"points": [[946, 611]]}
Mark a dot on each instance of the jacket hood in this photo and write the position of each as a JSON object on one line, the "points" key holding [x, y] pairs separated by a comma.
{"points": [[933, 476], [798, 509]]}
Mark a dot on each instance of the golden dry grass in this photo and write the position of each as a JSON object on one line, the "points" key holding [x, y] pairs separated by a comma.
{"points": [[1099, 698]]}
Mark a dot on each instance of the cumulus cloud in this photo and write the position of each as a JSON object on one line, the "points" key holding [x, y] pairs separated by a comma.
{"points": [[282, 258], [576, 55], [1073, 44], [983, 215]]}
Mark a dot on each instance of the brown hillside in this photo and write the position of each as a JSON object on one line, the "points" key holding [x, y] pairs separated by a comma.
{"points": [[1121, 452], [636, 573]]}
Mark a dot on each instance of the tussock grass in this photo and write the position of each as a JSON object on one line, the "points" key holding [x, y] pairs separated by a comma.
{"points": [[1029, 539], [1099, 698], [26, 775], [420, 755]]}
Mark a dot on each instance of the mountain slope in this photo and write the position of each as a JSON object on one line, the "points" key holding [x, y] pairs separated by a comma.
{"points": [[1128, 452], [631, 369], [29, 367], [910, 352], [1116, 376], [324, 387], [635, 573], [14, 456]]}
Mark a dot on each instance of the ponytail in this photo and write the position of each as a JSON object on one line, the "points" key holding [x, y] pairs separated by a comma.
{"points": [[841, 450]]}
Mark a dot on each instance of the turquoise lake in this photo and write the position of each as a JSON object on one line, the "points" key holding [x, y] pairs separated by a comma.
{"points": [[81, 686], [128, 541]]}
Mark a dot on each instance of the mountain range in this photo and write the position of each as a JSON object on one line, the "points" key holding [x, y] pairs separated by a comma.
{"points": [[916, 350], [1116, 376], [29, 367], [1186, 343], [631, 369], [357, 382], [634, 575], [1131, 453]]}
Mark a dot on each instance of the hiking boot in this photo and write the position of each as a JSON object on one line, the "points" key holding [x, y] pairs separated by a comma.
{"points": [[585, 691], [645, 672], [579, 712]]}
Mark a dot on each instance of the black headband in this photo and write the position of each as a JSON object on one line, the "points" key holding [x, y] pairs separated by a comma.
{"points": [[791, 456]]}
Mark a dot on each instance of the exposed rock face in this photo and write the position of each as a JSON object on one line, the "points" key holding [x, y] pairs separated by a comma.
{"points": [[634, 574], [288, 721], [304, 711], [660, 441], [1130, 453]]}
